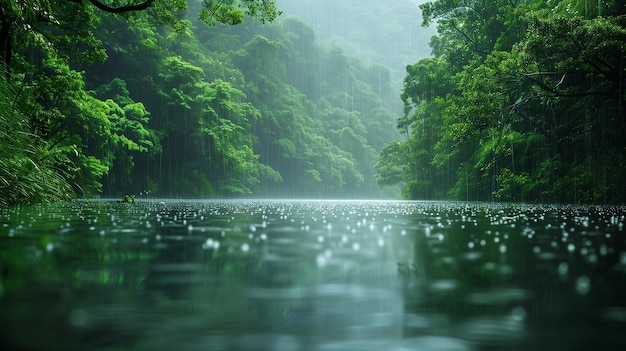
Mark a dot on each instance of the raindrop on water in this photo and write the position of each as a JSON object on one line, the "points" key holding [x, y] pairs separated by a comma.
{"points": [[502, 248], [518, 313], [563, 269], [321, 260], [583, 285]]}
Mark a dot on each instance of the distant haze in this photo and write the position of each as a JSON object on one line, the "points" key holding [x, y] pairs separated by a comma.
{"points": [[383, 32]]}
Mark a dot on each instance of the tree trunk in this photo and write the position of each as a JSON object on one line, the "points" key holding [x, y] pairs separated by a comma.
{"points": [[6, 45]]}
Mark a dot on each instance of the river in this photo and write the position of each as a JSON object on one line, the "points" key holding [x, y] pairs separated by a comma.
{"points": [[311, 275]]}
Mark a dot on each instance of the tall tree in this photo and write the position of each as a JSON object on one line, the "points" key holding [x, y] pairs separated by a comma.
{"points": [[530, 99], [41, 39]]}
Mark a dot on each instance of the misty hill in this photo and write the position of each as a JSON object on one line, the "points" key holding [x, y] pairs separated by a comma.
{"points": [[382, 32]]}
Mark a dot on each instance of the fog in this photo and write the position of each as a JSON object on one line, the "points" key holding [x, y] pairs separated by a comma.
{"points": [[389, 33]]}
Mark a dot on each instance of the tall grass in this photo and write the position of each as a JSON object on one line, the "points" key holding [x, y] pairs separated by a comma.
{"points": [[28, 172]]}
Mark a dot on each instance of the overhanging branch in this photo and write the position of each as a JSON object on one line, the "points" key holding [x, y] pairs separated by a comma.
{"points": [[126, 8], [554, 89]]}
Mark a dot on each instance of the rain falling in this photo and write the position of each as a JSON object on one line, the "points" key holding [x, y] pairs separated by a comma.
{"points": [[312, 175]]}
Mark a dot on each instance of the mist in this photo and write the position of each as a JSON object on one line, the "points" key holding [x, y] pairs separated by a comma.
{"points": [[389, 34]]}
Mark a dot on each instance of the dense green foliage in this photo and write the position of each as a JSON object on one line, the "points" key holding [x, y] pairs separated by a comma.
{"points": [[27, 163], [151, 100], [521, 101]]}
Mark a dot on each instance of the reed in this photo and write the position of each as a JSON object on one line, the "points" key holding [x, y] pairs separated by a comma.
{"points": [[29, 171]]}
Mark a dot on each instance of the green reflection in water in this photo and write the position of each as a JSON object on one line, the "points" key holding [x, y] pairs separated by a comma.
{"points": [[103, 275]]}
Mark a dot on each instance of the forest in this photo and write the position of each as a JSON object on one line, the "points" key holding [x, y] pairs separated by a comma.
{"points": [[520, 100], [183, 100]]}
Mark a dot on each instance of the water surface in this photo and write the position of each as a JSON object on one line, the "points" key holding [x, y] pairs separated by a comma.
{"points": [[311, 275]]}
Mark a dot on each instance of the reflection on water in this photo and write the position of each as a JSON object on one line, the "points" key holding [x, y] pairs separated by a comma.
{"points": [[311, 275]]}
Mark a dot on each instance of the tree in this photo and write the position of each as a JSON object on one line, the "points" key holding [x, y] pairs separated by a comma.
{"points": [[38, 20], [28, 163], [84, 138], [578, 72], [194, 111], [529, 100]]}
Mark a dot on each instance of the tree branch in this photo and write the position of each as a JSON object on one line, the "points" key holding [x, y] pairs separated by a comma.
{"points": [[126, 8], [461, 32], [554, 89]]}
